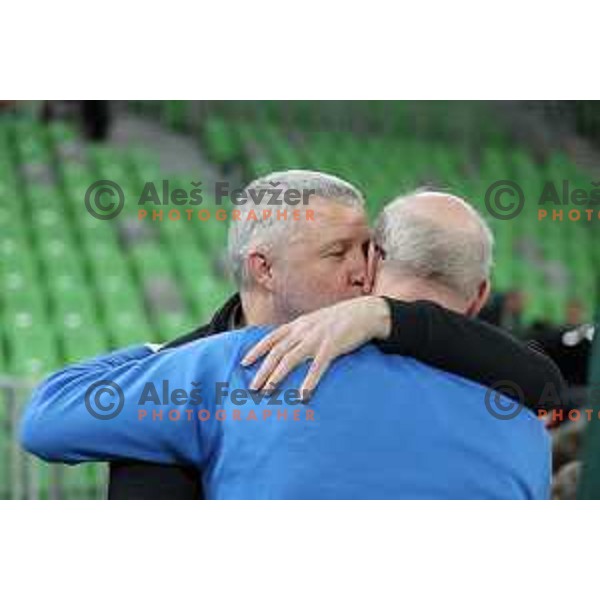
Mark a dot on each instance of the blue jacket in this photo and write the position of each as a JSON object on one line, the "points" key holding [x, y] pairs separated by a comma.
{"points": [[378, 426]]}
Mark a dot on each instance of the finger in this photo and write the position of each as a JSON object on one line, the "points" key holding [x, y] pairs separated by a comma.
{"points": [[271, 361], [264, 345], [288, 363], [316, 370]]}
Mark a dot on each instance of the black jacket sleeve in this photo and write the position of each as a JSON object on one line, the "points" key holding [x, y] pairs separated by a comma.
{"points": [[473, 349]]}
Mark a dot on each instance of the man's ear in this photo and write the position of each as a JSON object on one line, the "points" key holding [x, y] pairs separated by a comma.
{"points": [[483, 294], [373, 258], [260, 269]]}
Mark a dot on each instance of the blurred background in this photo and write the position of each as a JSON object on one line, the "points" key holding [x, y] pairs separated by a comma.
{"points": [[74, 286]]}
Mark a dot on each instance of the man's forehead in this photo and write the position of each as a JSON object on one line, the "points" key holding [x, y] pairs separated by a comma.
{"points": [[331, 222], [328, 215]]}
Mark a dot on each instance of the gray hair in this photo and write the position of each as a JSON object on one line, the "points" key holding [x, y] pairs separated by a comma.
{"points": [[419, 245], [270, 232]]}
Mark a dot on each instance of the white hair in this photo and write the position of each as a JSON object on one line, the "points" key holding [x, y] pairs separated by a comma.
{"points": [[419, 245], [271, 232]]}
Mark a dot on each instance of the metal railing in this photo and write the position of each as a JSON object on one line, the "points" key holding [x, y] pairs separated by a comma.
{"points": [[22, 476]]}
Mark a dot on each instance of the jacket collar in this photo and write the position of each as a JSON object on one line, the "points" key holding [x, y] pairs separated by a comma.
{"points": [[227, 316]]}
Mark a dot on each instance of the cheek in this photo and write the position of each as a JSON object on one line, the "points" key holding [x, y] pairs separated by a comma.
{"points": [[319, 278], [294, 281], [329, 272], [317, 282], [332, 284]]}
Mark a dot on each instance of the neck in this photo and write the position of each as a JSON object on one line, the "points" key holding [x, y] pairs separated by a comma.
{"points": [[258, 309], [412, 289]]}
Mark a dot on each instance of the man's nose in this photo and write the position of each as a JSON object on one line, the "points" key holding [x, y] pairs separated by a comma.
{"points": [[358, 280], [358, 272]]}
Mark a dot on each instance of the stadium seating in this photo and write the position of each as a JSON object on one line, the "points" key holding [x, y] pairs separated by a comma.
{"points": [[74, 286]]}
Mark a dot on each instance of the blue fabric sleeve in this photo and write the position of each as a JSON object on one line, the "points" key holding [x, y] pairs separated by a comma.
{"points": [[91, 411]]}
